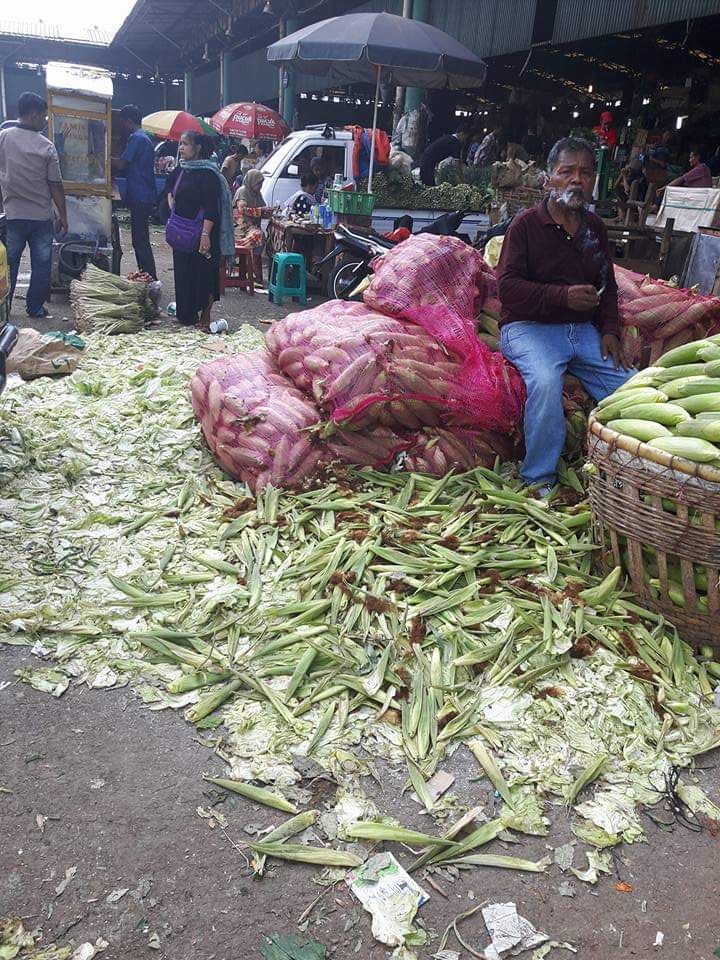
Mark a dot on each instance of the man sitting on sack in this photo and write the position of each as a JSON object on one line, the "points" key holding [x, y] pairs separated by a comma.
{"points": [[559, 305]]}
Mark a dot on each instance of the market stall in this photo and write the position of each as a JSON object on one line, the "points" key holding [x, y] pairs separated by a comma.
{"points": [[312, 240], [79, 123]]}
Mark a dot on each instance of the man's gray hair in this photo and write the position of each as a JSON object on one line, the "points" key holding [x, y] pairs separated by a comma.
{"points": [[569, 145]]}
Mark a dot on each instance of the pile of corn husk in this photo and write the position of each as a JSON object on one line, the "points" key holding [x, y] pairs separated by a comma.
{"points": [[105, 303], [377, 616]]}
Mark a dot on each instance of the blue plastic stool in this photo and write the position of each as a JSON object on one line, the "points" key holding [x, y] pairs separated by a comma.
{"points": [[287, 278]]}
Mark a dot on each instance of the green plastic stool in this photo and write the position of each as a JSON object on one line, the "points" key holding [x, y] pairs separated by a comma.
{"points": [[283, 283]]}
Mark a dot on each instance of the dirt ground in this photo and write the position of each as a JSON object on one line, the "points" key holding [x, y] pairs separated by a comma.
{"points": [[237, 306], [120, 786]]}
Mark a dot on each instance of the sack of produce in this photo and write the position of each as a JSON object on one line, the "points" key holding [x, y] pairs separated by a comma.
{"points": [[368, 448], [436, 450], [255, 421], [441, 284], [364, 369], [661, 315], [106, 303], [427, 275]]}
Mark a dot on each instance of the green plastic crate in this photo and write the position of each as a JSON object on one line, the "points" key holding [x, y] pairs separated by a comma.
{"points": [[351, 201]]}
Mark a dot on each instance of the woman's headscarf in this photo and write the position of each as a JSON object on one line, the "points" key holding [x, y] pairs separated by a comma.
{"points": [[250, 193]]}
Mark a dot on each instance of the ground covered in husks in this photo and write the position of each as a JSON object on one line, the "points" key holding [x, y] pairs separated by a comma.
{"points": [[380, 652]]}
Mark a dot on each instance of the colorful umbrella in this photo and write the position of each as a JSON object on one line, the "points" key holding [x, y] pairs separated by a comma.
{"points": [[172, 124], [252, 120]]}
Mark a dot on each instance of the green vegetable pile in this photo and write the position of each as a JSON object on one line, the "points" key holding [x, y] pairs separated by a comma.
{"points": [[106, 303], [394, 190], [378, 616]]}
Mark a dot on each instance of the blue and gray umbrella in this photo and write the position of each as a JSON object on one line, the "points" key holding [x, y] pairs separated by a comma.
{"points": [[367, 47]]}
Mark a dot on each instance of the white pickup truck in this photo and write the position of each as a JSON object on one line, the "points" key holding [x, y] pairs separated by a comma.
{"points": [[292, 158]]}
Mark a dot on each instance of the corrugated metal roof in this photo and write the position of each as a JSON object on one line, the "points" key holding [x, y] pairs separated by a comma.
{"points": [[488, 27], [577, 19], [40, 30]]}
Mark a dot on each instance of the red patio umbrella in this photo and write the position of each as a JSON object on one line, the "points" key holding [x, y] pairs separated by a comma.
{"points": [[252, 120]]}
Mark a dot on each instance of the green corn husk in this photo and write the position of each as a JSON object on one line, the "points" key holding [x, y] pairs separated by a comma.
{"points": [[193, 681], [597, 596], [505, 863], [477, 838], [689, 448], [291, 827], [256, 794], [318, 856], [491, 769], [209, 704], [392, 834], [643, 430], [322, 727], [591, 772]]}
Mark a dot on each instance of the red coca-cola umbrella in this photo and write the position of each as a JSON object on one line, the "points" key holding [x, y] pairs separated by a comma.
{"points": [[252, 120]]}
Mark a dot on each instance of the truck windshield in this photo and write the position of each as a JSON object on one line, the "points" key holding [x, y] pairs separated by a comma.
{"points": [[280, 155]]}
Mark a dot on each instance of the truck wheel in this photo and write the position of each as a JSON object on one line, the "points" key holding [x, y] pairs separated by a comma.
{"points": [[344, 278]]}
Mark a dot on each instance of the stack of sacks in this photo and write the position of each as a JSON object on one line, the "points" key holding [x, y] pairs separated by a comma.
{"points": [[362, 384], [663, 316]]}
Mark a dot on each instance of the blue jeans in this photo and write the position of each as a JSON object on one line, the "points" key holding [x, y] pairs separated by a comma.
{"points": [[38, 235], [543, 353]]}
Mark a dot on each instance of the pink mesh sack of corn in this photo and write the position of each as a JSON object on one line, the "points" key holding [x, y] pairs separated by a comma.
{"points": [[437, 450], [368, 448], [440, 283], [364, 369], [255, 421]]}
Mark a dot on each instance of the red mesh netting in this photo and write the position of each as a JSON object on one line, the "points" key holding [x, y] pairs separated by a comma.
{"points": [[441, 283]]}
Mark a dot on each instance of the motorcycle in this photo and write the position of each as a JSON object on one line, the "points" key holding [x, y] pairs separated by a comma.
{"points": [[8, 333], [354, 252]]}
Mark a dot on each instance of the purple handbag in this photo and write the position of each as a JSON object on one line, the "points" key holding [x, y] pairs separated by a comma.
{"points": [[181, 233]]}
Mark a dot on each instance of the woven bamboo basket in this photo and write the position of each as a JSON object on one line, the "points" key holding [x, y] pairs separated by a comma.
{"points": [[658, 517]]}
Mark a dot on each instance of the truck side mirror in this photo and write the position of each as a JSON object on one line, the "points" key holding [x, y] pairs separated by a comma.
{"points": [[293, 170]]}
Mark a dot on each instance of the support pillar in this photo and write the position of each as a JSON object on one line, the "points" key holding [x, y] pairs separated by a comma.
{"points": [[290, 81], [188, 90], [414, 96], [3, 98], [225, 62]]}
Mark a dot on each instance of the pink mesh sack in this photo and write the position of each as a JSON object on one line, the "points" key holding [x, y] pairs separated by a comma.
{"points": [[436, 451], [256, 422], [363, 368], [439, 283]]}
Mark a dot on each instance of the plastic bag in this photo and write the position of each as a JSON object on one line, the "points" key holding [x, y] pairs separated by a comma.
{"points": [[256, 422], [44, 354]]}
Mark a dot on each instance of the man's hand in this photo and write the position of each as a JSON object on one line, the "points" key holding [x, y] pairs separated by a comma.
{"points": [[61, 224], [610, 346], [582, 298]]}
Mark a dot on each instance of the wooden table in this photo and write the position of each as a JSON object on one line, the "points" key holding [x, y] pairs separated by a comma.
{"points": [[311, 240]]}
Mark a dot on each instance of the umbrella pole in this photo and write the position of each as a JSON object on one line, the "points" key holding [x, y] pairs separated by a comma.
{"points": [[372, 142]]}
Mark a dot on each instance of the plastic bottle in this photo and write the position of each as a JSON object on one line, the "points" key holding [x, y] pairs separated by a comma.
{"points": [[338, 181], [218, 326]]}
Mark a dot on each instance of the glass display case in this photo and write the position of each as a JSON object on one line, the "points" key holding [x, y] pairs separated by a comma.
{"points": [[79, 124]]}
